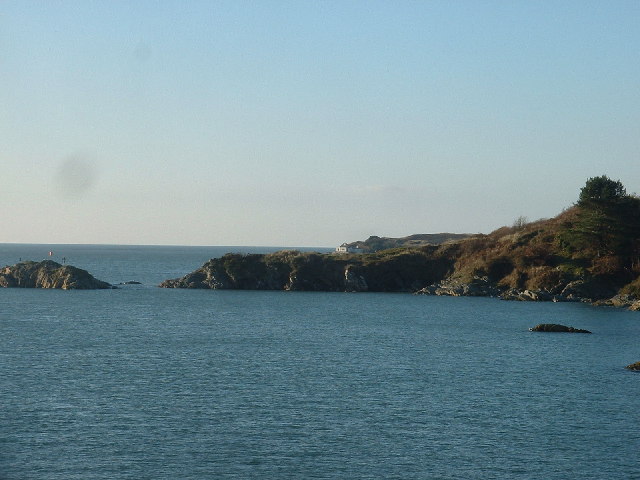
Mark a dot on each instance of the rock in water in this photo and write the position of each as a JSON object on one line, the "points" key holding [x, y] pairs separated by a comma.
{"points": [[634, 366], [554, 327], [48, 274]]}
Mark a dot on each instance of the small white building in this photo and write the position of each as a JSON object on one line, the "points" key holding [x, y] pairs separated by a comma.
{"points": [[344, 248]]}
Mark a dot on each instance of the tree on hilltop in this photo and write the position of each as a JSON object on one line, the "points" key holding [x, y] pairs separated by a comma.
{"points": [[601, 190], [608, 222]]}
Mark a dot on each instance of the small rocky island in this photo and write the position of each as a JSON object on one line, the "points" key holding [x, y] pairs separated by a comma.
{"points": [[588, 253], [556, 328], [49, 274], [634, 366]]}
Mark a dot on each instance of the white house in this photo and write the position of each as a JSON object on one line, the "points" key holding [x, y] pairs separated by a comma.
{"points": [[344, 248]]}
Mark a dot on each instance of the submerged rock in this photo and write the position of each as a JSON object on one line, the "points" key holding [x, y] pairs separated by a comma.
{"points": [[554, 327], [48, 274]]}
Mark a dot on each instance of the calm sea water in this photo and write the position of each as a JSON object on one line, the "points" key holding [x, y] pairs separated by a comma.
{"points": [[148, 383]]}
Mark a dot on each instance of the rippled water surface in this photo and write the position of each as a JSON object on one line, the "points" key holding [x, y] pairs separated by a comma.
{"points": [[148, 383]]}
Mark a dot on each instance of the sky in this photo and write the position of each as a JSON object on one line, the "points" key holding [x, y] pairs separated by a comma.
{"points": [[308, 123]]}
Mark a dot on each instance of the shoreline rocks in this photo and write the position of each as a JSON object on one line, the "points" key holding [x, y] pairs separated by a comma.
{"points": [[49, 274], [572, 292], [478, 287]]}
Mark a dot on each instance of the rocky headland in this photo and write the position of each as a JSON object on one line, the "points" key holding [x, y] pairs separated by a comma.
{"points": [[48, 274], [403, 270], [588, 253]]}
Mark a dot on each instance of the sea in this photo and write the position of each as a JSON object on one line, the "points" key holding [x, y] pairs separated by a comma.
{"points": [[141, 382]]}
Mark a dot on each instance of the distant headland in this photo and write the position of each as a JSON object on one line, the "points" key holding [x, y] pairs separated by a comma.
{"points": [[375, 244]]}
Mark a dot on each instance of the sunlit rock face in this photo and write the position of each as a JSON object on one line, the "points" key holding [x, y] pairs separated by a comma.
{"points": [[49, 274]]}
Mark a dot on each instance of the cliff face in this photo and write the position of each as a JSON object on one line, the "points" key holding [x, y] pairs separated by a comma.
{"points": [[48, 274], [286, 270]]}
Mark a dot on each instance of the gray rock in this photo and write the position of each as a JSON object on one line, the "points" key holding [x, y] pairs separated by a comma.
{"points": [[527, 295], [478, 287], [49, 274]]}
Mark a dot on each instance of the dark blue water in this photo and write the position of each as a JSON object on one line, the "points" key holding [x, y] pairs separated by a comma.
{"points": [[148, 383]]}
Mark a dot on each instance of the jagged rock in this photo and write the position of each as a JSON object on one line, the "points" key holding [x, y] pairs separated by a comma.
{"points": [[623, 300], [537, 295], [554, 327], [511, 294], [207, 276], [49, 274], [428, 290], [634, 366]]}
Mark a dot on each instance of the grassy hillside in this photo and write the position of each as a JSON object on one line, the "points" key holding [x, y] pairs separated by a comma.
{"points": [[596, 241]]}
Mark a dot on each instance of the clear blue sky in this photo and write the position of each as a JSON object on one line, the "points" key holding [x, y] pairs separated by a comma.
{"points": [[303, 123]]}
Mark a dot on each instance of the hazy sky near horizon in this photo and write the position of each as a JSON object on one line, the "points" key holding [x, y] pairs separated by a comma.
{"points": [[295, 123]]}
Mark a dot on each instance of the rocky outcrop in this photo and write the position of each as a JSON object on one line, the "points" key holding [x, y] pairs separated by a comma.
{"points": [[576, 291], [630, 302], [285, 270], [478, 287], [554, 327], [530, 296], [401, 271], [48, 274]]}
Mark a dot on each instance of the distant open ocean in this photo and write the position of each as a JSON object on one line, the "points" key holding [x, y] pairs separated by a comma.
{"points": [[149, 383]]}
